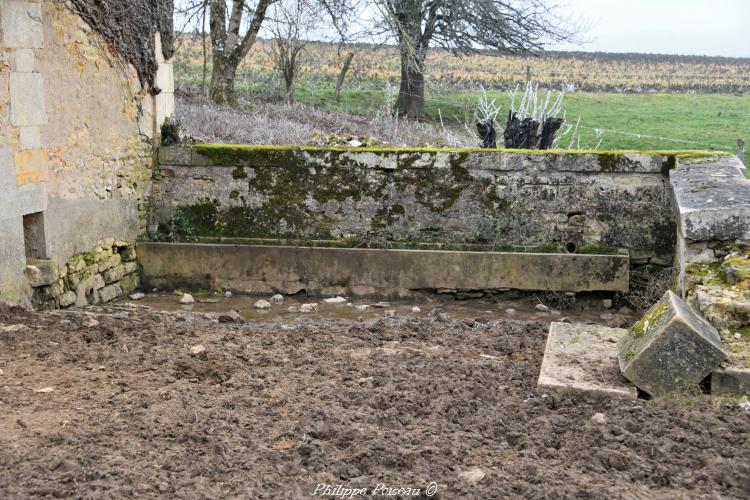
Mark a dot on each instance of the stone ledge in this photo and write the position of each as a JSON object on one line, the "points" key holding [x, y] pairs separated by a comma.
{"points": [[712, 199], [233, 155], [730, 380]]}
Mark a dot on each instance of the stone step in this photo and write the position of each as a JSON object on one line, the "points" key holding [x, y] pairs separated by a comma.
{"points": [[581, 361]]}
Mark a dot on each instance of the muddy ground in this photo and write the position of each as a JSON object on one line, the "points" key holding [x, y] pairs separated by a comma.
{"points": [[111, 402]]}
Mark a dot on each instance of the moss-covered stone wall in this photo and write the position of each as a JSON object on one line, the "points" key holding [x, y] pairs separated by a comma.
{"points": [[492, 199]]}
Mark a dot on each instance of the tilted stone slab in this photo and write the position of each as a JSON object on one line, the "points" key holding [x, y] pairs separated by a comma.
{"points": [[581, 361], [670, 349], [713, 199]]}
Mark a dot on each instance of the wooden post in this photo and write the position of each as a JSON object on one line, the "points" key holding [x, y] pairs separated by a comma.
{"points": [[741, 148], [528, 73]]}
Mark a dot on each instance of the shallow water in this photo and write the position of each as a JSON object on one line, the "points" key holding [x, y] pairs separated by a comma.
{"points": [[587, 311]]}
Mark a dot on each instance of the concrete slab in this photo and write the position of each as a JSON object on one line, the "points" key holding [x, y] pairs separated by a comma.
{"points": [[671, 349], [373, 272], [581, 360], [730, 380]]}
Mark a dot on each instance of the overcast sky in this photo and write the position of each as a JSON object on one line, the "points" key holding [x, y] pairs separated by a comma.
{"points": [[704, 27]]}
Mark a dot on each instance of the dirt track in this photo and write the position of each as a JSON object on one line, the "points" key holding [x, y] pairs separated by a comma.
{"points": [[270, 411]]}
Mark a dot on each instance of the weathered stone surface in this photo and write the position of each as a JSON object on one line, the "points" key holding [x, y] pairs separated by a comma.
{"points": [[130, 267], [22, 24], [670, 349], [129, 283], [713, 200], [731, 380], [32, 197], [68, 298], [110, 293], [483, 198], [128, 253], [114, 274], [113, 261], [27, 100], [31, 166], [41, 273], [581, 360], [361, 272]]}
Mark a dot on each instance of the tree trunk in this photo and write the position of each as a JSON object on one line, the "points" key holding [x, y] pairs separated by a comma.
{"points": [[342, 74], [410, 102], [223, 75]]}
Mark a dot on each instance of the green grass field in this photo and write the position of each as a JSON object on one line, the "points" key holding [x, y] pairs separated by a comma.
{"points": [[629, 121]]}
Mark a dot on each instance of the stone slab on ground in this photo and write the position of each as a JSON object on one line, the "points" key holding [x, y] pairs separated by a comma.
{"points": [[730, 380], [671, 349], [581, 360]]}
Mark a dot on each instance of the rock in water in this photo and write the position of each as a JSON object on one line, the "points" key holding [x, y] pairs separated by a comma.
{"points": [[335, 300], [137, 296], [187, 299], [307, 308], [262, 304], [277, 299], [670, 349]]}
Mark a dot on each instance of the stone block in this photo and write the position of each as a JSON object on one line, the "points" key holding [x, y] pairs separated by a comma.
{"points": [[24, 59], [670, 349], [130, 267], [31, 166], [114, 274], [41, 273], [730, 380], [113, 261], [27, 100], [32, 198], [130, 283], [22, 24], [128, 254], [713, 200], [67, 299], [110, 293], [29, 137], [581, 361]]}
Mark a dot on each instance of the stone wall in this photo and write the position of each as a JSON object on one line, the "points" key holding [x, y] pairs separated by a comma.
{"points": [[76, 131], [105, 273], [713, 257], [489, 199]]}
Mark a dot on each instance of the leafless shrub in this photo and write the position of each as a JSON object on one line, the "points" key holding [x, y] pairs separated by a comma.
{"points": [[264, 122], [647, 286]]}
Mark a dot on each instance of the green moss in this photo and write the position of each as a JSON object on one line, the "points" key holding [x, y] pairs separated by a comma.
{"points": [[599, 250], [387, 216], [234, 194], [607, 162], [651, 318], [239, 173]]}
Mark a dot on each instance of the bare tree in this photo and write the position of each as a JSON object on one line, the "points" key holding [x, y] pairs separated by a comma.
{"points": [[292, 25], [463, 27], [229, 45]]}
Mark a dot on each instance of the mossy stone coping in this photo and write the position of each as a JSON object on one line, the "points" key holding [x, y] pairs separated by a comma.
{"points": [[272, 155]]}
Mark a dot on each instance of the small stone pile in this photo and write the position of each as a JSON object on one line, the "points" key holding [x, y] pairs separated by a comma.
{"points": [[107, 272]]}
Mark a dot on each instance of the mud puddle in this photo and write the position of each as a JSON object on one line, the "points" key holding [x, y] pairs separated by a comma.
{"points": [[524, 309]]}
